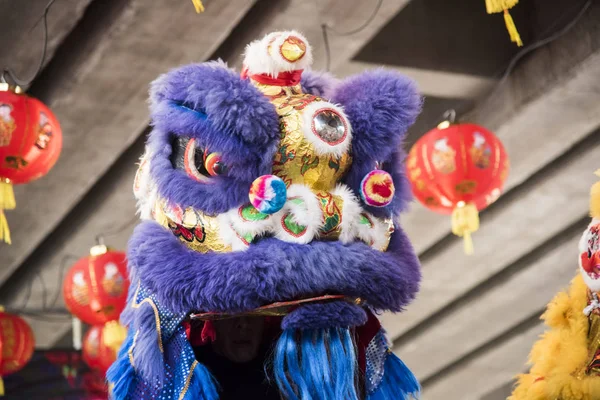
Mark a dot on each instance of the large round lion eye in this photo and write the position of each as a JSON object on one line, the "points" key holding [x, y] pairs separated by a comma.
{"points": [[329, 126], [199, 163], [193, 162], [214, 165]]}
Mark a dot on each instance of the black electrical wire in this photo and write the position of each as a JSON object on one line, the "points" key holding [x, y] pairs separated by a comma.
{"points": [[536, 45], [61, 275], [325, 27], [11, 74], [44, 290], [118, 230]]}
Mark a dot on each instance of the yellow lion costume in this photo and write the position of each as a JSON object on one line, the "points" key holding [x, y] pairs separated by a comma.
{"points": [[565, 362]]}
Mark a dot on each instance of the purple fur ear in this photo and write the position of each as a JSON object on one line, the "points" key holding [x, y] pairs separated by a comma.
{"points": [[381, 106], [318, 83]]}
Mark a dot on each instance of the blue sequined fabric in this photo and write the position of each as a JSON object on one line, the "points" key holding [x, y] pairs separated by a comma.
{"points": [[177, 357], [376, 354]]}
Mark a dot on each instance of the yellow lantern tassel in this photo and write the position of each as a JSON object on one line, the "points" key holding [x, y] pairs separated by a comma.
{"points": [[465, 220], [7, 195], [198, 5], [4, 231], [7, 202], [113, 335], [595, 198], [498, 6], [1, 387]]}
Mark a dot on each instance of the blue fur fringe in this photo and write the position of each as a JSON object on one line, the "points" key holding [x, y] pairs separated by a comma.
{"points": [[398, 383], [121, 374], [316, 364]]}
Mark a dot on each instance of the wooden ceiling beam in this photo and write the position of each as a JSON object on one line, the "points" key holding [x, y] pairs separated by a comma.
{"points": [[432, 83]]}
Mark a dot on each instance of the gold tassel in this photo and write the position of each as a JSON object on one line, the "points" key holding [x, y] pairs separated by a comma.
{"points": [[595, 198], [4, 231], [113, 335], [7, 202], [498, 6], [512, 29], [7, 195], [465, 220], [198, 5]]}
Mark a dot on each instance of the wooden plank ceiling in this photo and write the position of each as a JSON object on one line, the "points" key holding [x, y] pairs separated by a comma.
{"points": [[470, 329]]}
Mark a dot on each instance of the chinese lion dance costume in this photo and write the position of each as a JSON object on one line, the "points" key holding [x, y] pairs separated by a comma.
{"points": [[277, 194], [565, 362]]}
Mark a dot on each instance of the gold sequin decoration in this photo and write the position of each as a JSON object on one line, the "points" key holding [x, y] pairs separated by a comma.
{"points": [[198, 231], [331, 207], [296, 161]]}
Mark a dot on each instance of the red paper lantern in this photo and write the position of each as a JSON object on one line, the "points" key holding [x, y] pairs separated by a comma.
{"points": [[458, 169], [95, 288], [30, 143], [16, 344], [96, 353]]}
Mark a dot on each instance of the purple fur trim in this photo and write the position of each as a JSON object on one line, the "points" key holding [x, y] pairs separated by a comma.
{"points": [[270, 271], [148, 360], [381, 105], [337, 314], [232, 118], [318, 83]]}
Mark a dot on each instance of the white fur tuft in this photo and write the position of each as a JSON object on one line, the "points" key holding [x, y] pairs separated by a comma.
{"points": [[351, 211], [308, 214], [144, 189], [228, 235], [259, 60]]}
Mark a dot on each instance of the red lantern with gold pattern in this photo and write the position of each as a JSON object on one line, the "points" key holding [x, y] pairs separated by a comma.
{"points": [[30, 143], [95, 288], [96, 354], [458, 169], [16, 344]]}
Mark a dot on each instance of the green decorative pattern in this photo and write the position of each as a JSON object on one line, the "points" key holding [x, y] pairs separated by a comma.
{"points": [[292, 227], [249, 213]]}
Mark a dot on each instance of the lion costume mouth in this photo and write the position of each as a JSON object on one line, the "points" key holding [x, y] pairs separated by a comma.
{"points": [[271, 271]]}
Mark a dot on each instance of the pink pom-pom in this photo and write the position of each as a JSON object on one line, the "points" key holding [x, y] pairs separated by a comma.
{"points": [[268, 194], [377, 188]]}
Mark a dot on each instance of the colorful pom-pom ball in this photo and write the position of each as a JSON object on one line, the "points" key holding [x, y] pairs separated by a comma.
{"points": [[268, 194], [377, 188]]}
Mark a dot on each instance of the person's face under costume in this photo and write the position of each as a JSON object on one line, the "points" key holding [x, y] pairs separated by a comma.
{"points": [[239, 339]]}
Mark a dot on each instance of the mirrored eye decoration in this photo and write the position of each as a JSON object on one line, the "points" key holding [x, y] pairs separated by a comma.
{"points": [[200, 164]]}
